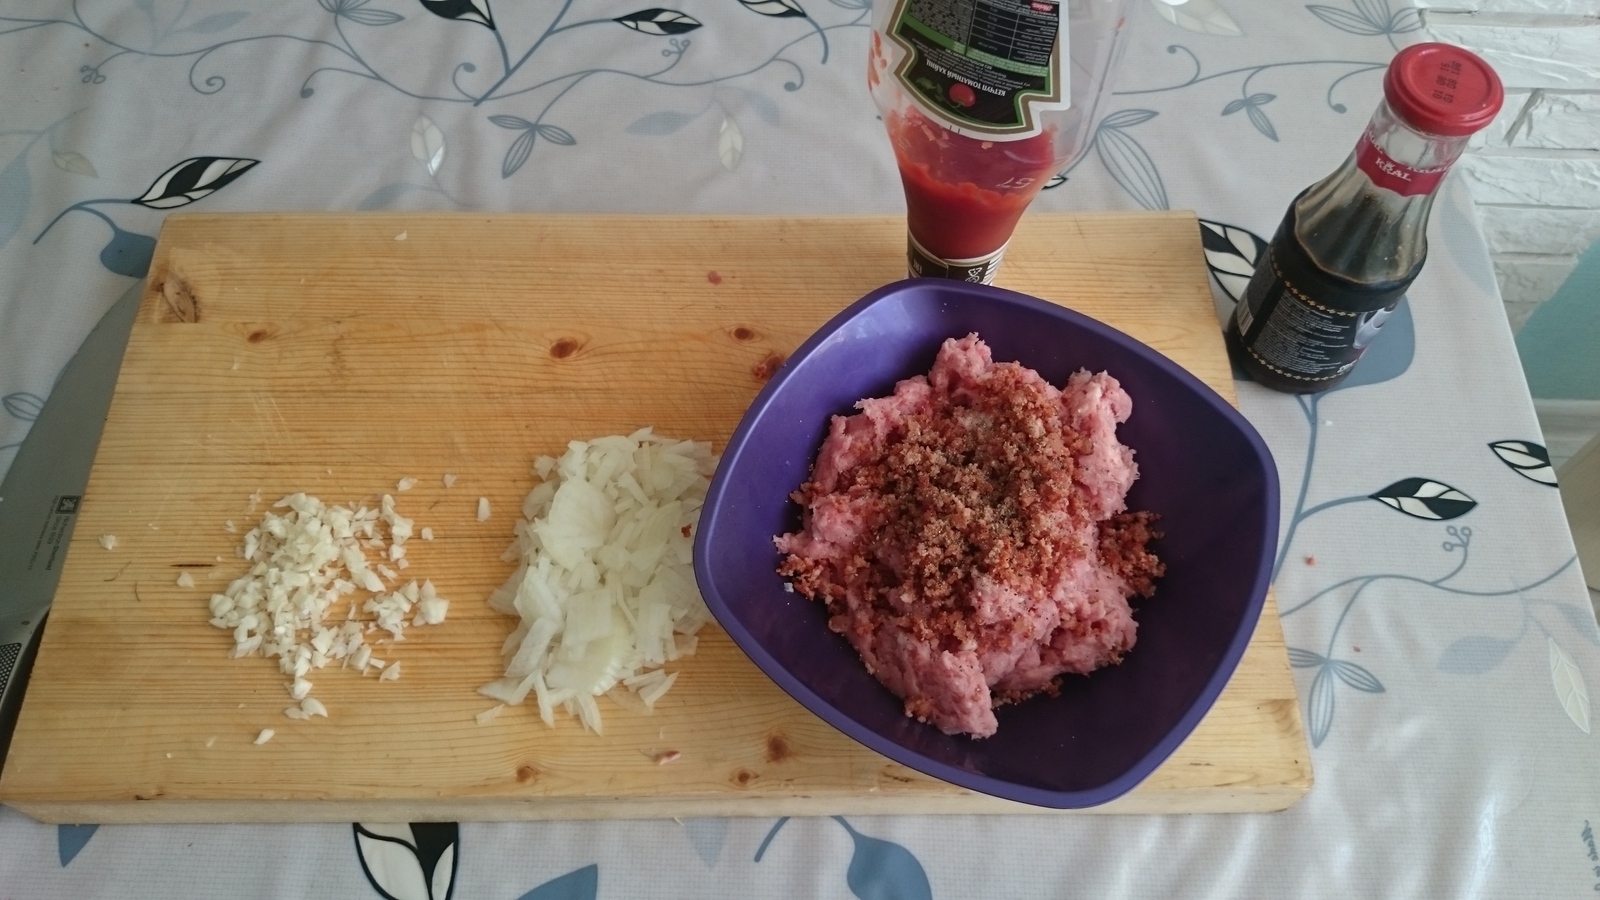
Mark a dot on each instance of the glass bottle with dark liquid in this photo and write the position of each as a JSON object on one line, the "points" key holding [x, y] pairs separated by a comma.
{"points": [[1352, 243]]}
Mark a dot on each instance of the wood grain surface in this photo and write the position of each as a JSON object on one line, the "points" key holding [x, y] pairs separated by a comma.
{"points": [[336, 354]]}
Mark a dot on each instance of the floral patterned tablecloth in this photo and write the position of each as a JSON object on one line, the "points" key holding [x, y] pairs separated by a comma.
{"points": [[1441, 637]]}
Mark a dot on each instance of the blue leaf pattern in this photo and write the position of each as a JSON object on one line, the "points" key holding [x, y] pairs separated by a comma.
{"points": [[1391, 351], [23, 405], [1127, 118], [1356, 676], [1319, 707], [579, 884], [1304, 659], [1260, 121], [1474, 654], [664, 122], [16, 192], [1404, 20], [884, 870], [556, 135], [1348, 21], [1130, 166], [71, 839], [1581, 621], [763, 106], [128, 253], [707, 837], [354, 11], [517, 153], [214, 23]]}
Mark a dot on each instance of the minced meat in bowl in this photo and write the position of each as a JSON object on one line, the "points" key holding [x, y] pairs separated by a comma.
{"points": [[970, 537], [1201, 468]]}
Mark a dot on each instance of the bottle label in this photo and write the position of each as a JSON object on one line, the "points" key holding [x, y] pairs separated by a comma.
{"points": [[1386, 173], [977, 270], [1284, 328], [986, 68]]}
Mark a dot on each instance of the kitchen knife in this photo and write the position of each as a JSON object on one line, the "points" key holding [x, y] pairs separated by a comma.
{"points": [[40, 495]]}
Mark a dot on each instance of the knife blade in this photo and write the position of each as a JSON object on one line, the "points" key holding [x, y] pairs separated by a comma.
{"points": [[41, 493]]}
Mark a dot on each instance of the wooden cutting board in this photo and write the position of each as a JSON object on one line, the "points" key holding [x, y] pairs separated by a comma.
{"points": [[336, 354]]}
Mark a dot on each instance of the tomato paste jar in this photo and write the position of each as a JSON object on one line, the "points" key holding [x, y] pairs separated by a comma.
{"points": [[984, 101]]}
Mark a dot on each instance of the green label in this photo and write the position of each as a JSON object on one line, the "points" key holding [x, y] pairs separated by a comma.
{"points": [[983, 66]]}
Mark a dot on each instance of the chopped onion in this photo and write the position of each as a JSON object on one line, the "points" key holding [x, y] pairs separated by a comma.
{"points": [[108, 541], [265, 735], [483, 513], [185, 580], [490, 714], [605, 584], [449, 480], [406, 484]]}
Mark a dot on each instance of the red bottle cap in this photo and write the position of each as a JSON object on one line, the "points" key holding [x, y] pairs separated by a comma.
{"points": [[1441, 89]]}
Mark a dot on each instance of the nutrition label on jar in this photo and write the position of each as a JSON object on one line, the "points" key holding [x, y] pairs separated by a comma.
{"points": [[985, 67]]}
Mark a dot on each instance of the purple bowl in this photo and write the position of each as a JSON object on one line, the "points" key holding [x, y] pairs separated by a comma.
{"points": [[1203, 468]]}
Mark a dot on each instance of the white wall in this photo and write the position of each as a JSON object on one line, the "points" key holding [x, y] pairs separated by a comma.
{"points": [[1535, 173]]}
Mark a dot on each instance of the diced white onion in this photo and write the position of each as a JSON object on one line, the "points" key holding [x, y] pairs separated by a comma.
{"points": [[604, 587]]}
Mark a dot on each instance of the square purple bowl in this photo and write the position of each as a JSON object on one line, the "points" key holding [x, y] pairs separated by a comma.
{"points": [[1203, 468]]}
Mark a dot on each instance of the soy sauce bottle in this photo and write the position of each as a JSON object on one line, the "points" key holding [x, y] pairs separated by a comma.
{"points": [[1351, 244]]}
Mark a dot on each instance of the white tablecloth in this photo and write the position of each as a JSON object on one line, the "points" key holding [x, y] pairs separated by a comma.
{"points": [[1443, 643]]}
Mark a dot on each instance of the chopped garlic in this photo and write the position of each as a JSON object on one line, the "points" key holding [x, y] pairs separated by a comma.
{"points": [[406, 484], [109, 541], [265, 735], [185, 580], [306, 557], [483, 515]]}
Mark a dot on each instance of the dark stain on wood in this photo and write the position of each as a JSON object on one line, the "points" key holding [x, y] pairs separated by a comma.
{"points": [[767, 367], [179, 303], [777, 747]]}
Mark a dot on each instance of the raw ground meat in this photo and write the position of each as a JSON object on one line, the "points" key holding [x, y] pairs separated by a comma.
{"points": [[970, 538]]}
